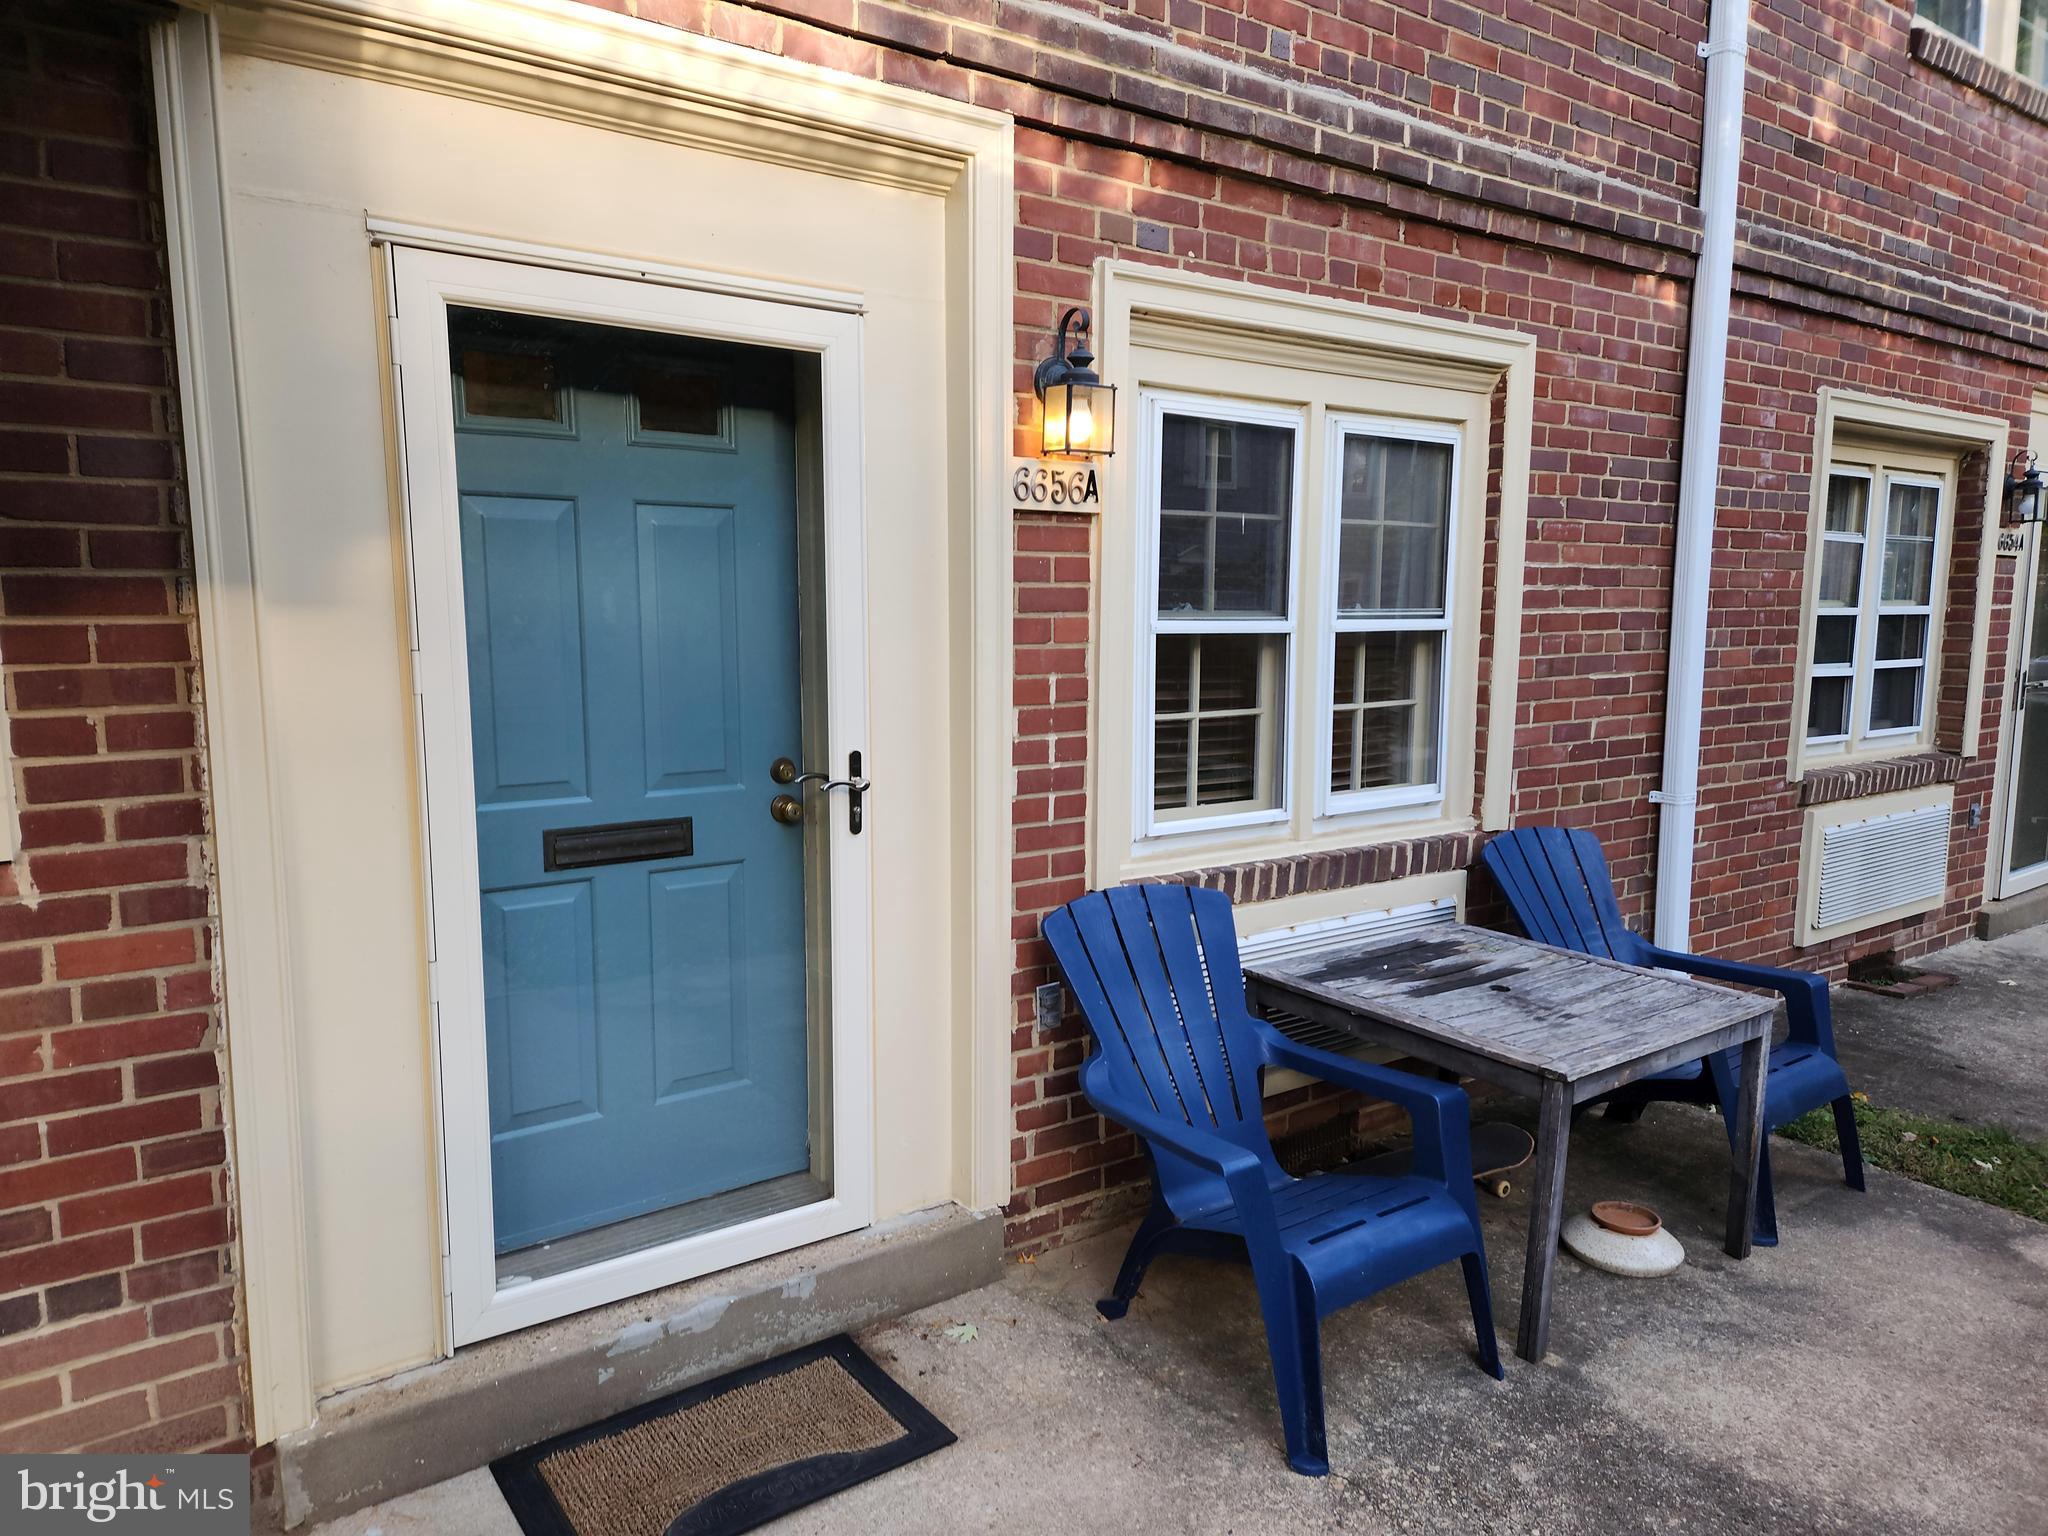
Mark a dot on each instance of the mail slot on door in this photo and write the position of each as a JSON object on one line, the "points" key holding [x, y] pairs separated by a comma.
{"points": [[622, 842]]}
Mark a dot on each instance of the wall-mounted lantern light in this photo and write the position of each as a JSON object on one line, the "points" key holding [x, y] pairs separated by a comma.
{"points": [[1080, 410], [2026, 490]]}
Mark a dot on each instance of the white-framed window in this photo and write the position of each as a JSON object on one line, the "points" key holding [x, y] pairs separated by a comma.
{"points": [[1223, 512], [1233, 635], [1355, 698], [1874, 603], [1390, 517]]}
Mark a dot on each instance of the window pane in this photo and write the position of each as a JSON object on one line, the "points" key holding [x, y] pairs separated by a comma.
{"points": [[1908, 570], [1215, 740], [2033, 52], [1848, 501], [1226, 762], [1183, 563], [1912, 512], [1834, 640], [516, 386], [1827, 710], [675, 400], [1901, 637], [1170, 740], [1226, 492], [1394, 522], [1841, 573], [1965, 18], [1230, 668], [1384, 710], [1895, 698], [1172, 686]]}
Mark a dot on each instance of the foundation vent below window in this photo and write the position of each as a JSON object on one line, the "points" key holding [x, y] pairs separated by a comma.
{"points": [[1882, 864], [1332, 933]]}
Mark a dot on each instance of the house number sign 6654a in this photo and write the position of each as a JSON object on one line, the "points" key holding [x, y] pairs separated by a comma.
{"points": [[1045, 485]]}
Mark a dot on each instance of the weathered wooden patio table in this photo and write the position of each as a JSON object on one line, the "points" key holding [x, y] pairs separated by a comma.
{"points": [[1560, 1027]]}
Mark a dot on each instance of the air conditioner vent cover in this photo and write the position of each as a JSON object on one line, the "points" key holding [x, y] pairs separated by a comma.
{"points": [[1882, 864]]}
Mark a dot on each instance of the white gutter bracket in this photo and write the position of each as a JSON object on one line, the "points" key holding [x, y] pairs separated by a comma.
{"points": [[1726, 51]]}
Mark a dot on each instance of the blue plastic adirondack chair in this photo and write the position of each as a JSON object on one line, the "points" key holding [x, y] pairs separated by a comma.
{"points": [[1178, 1058], [1558, 887]]}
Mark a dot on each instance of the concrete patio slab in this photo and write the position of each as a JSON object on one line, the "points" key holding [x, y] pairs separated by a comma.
{"points": [[1879, 1372], [1977, 1051]]}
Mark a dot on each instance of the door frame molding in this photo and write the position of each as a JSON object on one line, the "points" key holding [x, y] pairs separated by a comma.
{"points": [[583, 64], [424, 284], [1998, 873], [2002, 880]]}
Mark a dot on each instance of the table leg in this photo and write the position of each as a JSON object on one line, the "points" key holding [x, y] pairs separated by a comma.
{"points": [[1546, 1213], [1746, 1148]]}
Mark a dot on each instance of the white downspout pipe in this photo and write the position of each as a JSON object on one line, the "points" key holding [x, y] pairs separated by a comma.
{"points": [[1726, 51]]}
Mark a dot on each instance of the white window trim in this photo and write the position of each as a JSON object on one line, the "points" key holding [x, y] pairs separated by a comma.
{"points": [[1332, 623], [8, 839], [1917, 429], [1881, 467], [1158, 404], [1216, 326]]}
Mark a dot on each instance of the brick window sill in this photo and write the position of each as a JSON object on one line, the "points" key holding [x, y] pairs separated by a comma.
{"points": [[1854, 781], [1337, 869], [1951, 56]]}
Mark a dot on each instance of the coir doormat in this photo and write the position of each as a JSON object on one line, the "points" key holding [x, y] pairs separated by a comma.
{"points": [[726, 1455]]}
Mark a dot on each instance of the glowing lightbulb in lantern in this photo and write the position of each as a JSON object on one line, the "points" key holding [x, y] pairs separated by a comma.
{"points": [[1080, 425]]}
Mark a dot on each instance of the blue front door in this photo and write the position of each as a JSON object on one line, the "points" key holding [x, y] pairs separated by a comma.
{"points": [[629, 553]]}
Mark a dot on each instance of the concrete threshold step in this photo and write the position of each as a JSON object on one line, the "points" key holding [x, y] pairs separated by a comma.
{"points": [[1999, 918], [390, 1437]]}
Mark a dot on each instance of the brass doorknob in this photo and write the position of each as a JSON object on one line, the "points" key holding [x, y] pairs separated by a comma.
{"points": [[786, 809]]}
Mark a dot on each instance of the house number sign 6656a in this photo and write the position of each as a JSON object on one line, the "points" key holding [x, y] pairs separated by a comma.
{"points": [[1042, 485]]}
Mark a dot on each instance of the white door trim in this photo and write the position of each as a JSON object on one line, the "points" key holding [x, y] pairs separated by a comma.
{"points": [[255, 963], [425, 283], [700, 280], [583, 64], [2008, 881]]}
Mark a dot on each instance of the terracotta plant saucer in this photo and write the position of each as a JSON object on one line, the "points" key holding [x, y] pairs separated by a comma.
{"points": [[1623, 1238], [1626, 1217]]}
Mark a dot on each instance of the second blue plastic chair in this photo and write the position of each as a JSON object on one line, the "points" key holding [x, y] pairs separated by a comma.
{"points": [[1178, 1060], [1558, 886]]}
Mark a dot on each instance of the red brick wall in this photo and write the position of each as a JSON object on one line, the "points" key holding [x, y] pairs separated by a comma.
{"points": [[1746, 875], [1254, 139], [1937, 191], [1596, 588], [117, 1300]]}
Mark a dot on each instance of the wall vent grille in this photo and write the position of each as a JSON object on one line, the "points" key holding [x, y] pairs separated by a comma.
{"points": [[1331, 933], [1882, 863]]}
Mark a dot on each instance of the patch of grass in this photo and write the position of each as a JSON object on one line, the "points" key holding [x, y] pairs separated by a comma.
{"points": [[1984, 1162]]}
